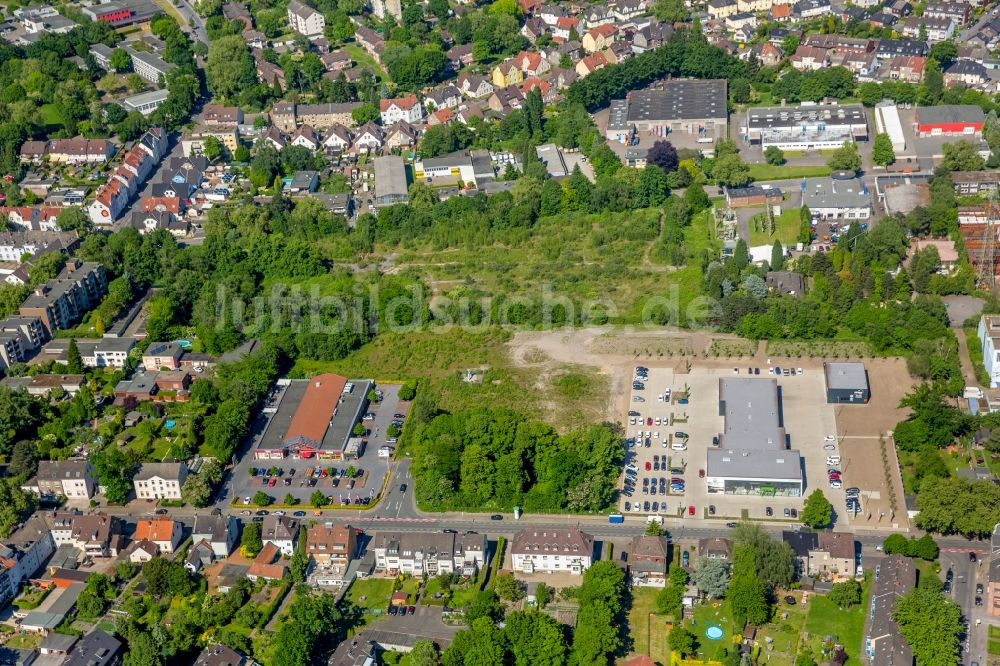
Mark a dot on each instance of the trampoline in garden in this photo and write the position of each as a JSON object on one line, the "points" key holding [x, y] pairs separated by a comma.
{"points": [[713, 633]]}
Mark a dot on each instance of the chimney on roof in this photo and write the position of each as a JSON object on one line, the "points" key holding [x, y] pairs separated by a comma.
{"points": [[72, 264]]}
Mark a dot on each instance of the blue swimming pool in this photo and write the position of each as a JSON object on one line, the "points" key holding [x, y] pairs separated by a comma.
{"points": [[169, 425], [183, 343], [713, 633]]}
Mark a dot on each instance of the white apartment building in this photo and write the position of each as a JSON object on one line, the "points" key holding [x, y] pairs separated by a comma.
{"points": [[549, 551], [304, 19], [160, 480], [431, 553]]}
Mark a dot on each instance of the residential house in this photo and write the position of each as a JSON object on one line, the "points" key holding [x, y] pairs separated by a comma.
{"points": [[627, 10], [834, 556], [807, 9], [532, 63], [406, 108], [909, 69], [599, 38], [63, 300], [222, 655], [235, 11], [369, 139], [895, 576], [93, 534], [160, 480], [199, 556], [890, 48], [217, 114], [590, 64], [306, 137], [552, 551], [460, 55], [337, 61], [507, 73], [161, 530], [958, 12], [338, 140], [304, 19], [651, 37], [722, 9], [282, 531], [445, 97], [430, 553], [401, 135], [802, 543], [73, 479], [218, 531], [565, 27], [935, 29], [766, 53], [475, 86], [142, 551], [967, 73], [162, 356], [95, 649], [551, 13], [332, 546], [810, 58], [267, 564], [786, 283], [715, 548], [22, 554], [780, 13], [504, 99], [753, 6], [648, 559], [596, 15], [370, 41]]}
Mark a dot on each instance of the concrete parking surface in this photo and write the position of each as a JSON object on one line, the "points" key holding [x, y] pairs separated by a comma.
{"points": [[807, 418]]}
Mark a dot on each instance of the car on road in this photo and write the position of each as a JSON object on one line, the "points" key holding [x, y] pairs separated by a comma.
{"points": [[402, 487], [246, 500], [768, 511], [730, 525], [972, 556], [160, 512], [496, 516], [299, 514], [830, 447], [949, 575], [261, 513]]}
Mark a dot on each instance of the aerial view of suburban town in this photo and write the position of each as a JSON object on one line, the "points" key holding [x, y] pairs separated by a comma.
{"points": [[500, 333]]}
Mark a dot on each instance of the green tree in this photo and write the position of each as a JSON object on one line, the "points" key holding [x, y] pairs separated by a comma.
{"points": [[165, 577], [23, 460], [542, 594], [114, 472], [711, 576], [73, 219], [747, 595], [774, 559], [317, 499], [89, 605], [260, 498], [845, 594], [931, 623], [229, 69], [882, 152], [731, 170], [535, 638], [120, 61], [845, 158], [682, 641], [507, 587], [774, 155], [74, 362], [777, 256], [895, 544], [424, 653], [250, 541], [671, 11], [961, 156], [300, 558], [817, 510]]}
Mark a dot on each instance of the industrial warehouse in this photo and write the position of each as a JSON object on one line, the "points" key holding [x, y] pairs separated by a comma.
{"points": [[694, 107], [805, 127], [752, 457], [846, 383]]}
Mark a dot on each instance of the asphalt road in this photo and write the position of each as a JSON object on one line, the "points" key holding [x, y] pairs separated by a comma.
{"points": [[194, 23]]}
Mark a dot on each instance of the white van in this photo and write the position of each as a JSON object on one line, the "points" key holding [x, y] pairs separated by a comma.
{"points": [[833, 460], [679, 445]]}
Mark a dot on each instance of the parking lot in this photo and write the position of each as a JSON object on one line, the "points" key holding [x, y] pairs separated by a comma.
{"points": [[808, 420], [294, 472]]}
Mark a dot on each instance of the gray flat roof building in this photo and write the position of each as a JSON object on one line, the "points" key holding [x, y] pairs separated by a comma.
{"points": [[390, 181], [846, 382], [838, 197], [679, 99], [752, 457]]}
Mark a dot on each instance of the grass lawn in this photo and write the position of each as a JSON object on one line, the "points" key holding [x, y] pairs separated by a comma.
{"points": [[172, 11], [371, 596], [786, 229], [360, 56], [716, 613], [50, 115], [843, 626], [648, 630], [25, 641], [766, 172]]}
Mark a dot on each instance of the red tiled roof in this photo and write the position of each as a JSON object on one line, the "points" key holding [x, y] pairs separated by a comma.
{"points": [[157, 529], [407, 102], [606, 30], [313, 415]]}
